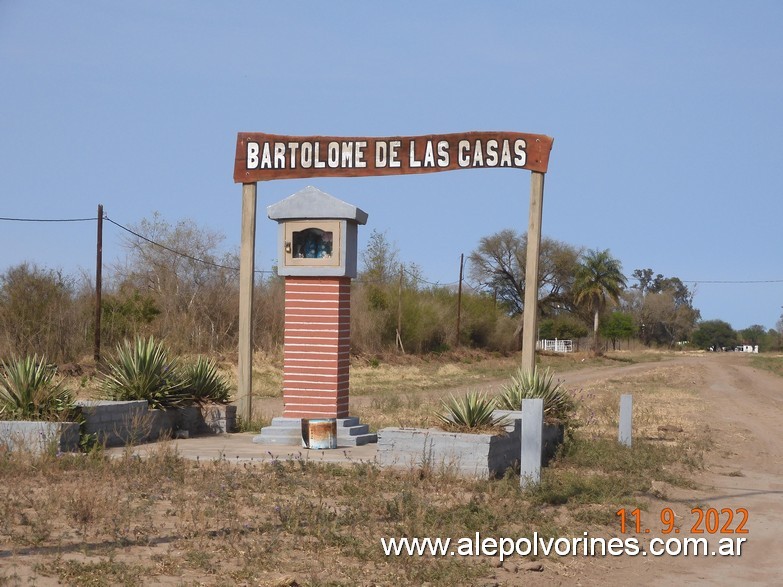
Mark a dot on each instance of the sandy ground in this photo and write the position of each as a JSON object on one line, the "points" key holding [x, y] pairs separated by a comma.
{"points": [[744, 469]]}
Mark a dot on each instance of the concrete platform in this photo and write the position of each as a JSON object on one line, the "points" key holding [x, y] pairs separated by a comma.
{"points": [[240, 448]]}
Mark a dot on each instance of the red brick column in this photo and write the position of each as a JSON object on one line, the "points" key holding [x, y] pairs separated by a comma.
{"points": [[317, 347]]}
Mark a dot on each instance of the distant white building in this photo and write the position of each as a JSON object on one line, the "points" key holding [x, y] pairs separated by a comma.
{"points": [[747, 348]]}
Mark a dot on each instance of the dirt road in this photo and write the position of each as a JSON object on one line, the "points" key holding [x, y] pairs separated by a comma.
{"points": [[743, 408]]}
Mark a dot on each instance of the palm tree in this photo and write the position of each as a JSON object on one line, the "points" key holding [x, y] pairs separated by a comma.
{"points": [[598, 279]]}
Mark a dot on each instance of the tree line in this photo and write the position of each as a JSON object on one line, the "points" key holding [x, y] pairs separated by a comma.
{"points": [[186, 291]]}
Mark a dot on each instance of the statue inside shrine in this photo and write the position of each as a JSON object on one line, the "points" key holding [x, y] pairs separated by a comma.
{"points": [[312, 243]]}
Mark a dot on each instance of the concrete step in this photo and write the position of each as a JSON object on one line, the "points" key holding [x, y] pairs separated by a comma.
{"points": [[288, 432], [352, 430], [357, 440]]}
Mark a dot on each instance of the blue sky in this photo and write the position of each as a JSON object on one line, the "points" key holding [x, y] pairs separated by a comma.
{"points": [[666, 116]]}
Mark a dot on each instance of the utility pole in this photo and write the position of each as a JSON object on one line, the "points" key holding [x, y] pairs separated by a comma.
{"points": [[399, 312], [459, 296], [98, 286]]}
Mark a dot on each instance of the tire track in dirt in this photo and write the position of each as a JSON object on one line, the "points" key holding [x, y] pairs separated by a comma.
{"points": [[743, 469]]}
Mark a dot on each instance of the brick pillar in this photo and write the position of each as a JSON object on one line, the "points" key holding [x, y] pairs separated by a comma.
{"points": [[317, 347]]}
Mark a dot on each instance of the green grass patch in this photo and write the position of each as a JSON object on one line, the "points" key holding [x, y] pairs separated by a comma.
{"points": [[773, 364], [600, 470]]}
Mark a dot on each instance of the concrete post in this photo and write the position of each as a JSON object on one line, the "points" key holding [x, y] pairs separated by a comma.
{"points": [[531, 441], [626, 418]]}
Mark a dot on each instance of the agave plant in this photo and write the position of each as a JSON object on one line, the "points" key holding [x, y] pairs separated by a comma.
{"points": [[28, 391], [558, 403], [203, 382], [142, 370], [473, 410]]}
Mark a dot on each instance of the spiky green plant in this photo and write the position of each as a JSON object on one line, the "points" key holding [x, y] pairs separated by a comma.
{"points": [[142, 370], [203, 382], [28, 391], [558, 403], [474, 410]]}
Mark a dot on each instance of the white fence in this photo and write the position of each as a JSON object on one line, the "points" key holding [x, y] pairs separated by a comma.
{"points": [[555, 346]]}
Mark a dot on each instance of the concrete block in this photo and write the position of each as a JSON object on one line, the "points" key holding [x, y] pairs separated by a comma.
{"points": [[474, 455], [117, 423], [39, 437], [219, 418]]}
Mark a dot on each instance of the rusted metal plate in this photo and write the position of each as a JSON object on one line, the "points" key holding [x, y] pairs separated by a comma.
{"points": [[263, 157], [319, 433]]}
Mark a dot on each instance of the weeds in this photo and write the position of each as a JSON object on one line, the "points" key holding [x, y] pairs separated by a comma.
{"points": [[245, 521], [94, 574]]}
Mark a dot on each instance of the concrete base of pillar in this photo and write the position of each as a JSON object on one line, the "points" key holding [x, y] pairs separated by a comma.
{"points": [[288, 432]]}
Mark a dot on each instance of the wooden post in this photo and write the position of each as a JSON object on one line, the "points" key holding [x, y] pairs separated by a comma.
{"points": [[98, 286], [246, 281], [531, 271]]}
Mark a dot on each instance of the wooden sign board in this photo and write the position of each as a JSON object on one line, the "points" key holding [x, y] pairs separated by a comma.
{"points": [[262, 157]]}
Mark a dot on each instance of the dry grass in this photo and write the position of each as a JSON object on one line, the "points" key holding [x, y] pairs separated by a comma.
{"points": [[410, 374], [407, 391], [91, 520], [88, 520], [665, 397]]}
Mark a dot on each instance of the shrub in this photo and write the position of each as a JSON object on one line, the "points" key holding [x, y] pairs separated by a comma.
{"points": [[558, 403], [28, 391], [142, 370], [472, 411], [43, 311], [203, 383]]}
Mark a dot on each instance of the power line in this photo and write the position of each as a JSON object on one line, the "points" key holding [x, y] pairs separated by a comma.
{"points": [[262, 271], [180, 253], [136, 234], [48, 219], [419, 278], [695, 281]]}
